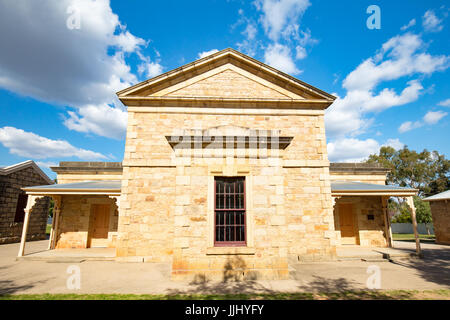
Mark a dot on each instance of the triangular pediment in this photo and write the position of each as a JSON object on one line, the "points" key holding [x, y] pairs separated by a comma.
{"points": [[225, 76], [228, 81]]}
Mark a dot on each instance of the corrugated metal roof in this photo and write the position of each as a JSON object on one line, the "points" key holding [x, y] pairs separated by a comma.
{"points": [[336, 186], [363, 186], [440, 196], [105, 185]]}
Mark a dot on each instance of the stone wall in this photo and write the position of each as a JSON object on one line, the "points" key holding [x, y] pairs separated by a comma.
{"points": [[166, 212], [361, 172], [10, 188], [76, 171], [440, 211], [75, 218], [366, 178], [370, 233]]}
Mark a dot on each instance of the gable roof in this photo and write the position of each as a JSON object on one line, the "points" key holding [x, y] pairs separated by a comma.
{"points": [[23, 165], [440, 196], [274, 86]]}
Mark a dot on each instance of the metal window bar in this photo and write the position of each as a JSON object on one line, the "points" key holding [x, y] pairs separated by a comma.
{"points": [[229, 215]]}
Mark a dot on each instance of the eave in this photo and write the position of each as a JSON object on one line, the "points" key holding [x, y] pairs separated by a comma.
{"points": [[225, 102]]}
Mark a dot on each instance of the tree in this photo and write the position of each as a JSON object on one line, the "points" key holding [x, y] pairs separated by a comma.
{"points": [[423, 212], [427, 171], [404, 216]]}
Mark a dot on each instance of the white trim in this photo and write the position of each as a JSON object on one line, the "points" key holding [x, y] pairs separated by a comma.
{"points": [[81, 192], [392, 193]]}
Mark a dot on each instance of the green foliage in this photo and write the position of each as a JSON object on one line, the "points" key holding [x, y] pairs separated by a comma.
{"points": [[423, 211], [427, 171], [403, 217]]}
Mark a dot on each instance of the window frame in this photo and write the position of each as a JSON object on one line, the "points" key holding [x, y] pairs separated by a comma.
{"points": [[244, 210]]}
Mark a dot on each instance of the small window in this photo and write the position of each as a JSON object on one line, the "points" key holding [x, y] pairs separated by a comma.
{"points": [[370, 217], [229, 220], [20, 208]]}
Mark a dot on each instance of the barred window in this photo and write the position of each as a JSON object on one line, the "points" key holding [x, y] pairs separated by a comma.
{"points": [[229, 220]]}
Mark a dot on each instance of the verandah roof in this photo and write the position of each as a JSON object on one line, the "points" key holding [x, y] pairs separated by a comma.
{"points": [[355, 188], [113, 187], [105, 187]]}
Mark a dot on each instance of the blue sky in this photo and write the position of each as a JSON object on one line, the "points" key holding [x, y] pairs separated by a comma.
{"points": [[62, 62]]}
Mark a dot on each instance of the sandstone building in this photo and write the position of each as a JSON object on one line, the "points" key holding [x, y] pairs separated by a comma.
{"points": [[440, 211], [225, 171], [13, 201]]}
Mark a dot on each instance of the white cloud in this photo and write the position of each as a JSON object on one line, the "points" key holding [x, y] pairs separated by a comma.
{"points": [[409, 125], [351, 149], [431, 23], [70, 67], [445, 103], [31, 145], [300, 52], [280, 20], [410, 24], [388, 98], [400, 56], [150, 68], [394, 143], [433, 117], [430, 118], [207, 53], [46, 164], [250, 31], [128, 42], [153, 69], [99, 119], [249, 44], [356, 150], [279, 57], [280, 14]]}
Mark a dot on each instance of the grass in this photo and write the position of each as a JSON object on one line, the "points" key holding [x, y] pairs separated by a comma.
{"points": [[47, 230], [410, 236], [345, 295]]}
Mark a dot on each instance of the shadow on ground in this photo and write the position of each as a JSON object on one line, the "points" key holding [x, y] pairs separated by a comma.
{"points": [[235, 280], [343, 289], [433, 267], [8, 287], [429, 241], [237, 287]]}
